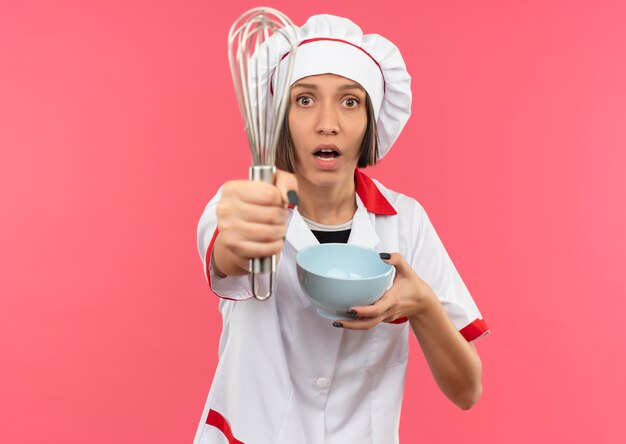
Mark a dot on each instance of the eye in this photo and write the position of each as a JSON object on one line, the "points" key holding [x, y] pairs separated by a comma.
{"points": [[351, 102], [304, 100]]}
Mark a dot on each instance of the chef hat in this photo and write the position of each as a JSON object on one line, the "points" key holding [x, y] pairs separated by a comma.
{"points": [[329, 44]]}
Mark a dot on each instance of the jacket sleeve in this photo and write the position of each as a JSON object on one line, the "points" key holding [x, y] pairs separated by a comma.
{"points": [[433, 264], [237, 288]]}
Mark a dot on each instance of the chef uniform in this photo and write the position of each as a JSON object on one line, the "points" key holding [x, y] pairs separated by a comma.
{"points": [[285, 374]]}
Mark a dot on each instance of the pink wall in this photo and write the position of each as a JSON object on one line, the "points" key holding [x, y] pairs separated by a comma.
{"points": [[118, 121]]}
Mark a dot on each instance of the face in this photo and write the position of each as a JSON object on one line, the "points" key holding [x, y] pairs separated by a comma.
{"points": [[327, 121]]}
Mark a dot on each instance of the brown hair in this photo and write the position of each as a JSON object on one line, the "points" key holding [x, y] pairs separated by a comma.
{"points": [[286, 154]]}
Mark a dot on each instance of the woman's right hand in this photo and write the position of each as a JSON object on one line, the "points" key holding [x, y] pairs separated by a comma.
{"points": [[252, 221]]}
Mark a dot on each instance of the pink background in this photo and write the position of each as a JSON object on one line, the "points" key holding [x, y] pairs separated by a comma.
{"points": [[118, 122]]}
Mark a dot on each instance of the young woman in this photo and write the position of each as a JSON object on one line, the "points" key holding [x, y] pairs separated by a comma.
{"points": [[285, 374]]}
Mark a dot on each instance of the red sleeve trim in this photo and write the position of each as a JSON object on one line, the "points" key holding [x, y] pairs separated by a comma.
{"points": [[207, 263], [216, 420], [399, 321], [474, 330], [207, 258]]}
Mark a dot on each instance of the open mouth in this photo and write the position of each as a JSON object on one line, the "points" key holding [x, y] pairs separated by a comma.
{"points": [[326, 154]]}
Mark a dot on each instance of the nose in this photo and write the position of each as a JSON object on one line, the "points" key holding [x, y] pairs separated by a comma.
{"points": [[327, 120]]}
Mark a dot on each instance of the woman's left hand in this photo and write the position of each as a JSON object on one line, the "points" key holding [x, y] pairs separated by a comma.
{"points": [[405, 298]]}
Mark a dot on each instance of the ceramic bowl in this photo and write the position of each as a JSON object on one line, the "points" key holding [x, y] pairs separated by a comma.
{"points": [[336, 277]]}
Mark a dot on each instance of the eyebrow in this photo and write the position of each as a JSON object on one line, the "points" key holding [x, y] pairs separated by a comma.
{"points": [[341, 88]]}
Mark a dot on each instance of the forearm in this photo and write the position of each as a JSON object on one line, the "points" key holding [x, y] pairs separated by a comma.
{"points": [[252, 220], [224, 261], [453, 361]]}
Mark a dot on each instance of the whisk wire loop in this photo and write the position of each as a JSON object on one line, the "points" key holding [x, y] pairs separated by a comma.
{"points": [[251, 58]]}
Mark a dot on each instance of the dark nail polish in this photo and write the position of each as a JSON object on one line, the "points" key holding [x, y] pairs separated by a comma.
{"points": [[337, 324], [351, 312], [292, 197], [385, 256]]}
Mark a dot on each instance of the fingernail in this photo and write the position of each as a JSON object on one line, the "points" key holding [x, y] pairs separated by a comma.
{"points": [[292, 197], [385, 256], [352, 312], [337, 324]]}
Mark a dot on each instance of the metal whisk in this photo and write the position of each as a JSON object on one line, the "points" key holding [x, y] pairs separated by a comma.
{"points": [[251, 59]]}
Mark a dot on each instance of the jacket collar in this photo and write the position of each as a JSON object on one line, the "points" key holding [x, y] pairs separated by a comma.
{"points": [[371, 196], [370, 202]]}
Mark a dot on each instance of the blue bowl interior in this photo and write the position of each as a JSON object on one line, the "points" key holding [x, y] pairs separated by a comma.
{"points": [[342, 261]]}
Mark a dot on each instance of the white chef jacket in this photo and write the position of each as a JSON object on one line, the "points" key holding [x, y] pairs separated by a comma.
{"points": [[285, 374]]}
